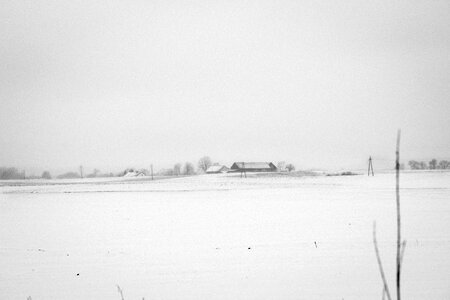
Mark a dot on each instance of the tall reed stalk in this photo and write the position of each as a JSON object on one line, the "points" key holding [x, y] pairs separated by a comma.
{"points": [[400, 245]]}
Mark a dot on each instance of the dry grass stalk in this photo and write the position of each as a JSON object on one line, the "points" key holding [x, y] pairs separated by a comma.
{"points": [[120, 292], [380, 265], [397, 193]]}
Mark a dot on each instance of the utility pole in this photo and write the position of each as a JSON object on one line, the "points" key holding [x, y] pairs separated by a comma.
{"points": [[243, 170], [370, 169], [151, 169]]}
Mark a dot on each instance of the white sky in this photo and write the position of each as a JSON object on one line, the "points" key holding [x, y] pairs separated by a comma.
{"points": [[111, 84]]}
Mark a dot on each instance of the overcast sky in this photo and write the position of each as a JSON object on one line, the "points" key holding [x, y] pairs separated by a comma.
{"points": [[111, 84]]}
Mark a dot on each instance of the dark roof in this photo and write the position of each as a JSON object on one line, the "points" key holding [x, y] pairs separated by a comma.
{"points": [[253, 165]]}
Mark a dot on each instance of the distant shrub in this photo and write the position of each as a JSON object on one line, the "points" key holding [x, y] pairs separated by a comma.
{"points": [[69, 175], [166, 172], [346, 173], [46, 175], [94, 174]]}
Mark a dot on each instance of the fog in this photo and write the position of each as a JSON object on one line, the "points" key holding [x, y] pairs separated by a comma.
{"points": [[322, 84]]}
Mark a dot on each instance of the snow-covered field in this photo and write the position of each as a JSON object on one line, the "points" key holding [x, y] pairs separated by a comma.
{"points": [[222, 237]]}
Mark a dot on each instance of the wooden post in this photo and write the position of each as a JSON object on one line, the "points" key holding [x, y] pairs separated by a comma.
{"points": [[81, 171], [151, 168]]}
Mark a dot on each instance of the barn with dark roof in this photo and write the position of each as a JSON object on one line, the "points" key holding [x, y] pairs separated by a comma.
{"points": [[253, 167]]}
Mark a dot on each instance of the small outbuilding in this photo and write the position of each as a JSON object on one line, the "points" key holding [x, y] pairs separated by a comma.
{"points": [[253, 167], [216, 169]]}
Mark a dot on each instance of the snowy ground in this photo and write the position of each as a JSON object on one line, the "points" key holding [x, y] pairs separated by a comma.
{"points": [[222, 237]]}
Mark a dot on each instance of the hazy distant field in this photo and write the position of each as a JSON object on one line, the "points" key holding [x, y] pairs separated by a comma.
{"points": [[222, 237]]}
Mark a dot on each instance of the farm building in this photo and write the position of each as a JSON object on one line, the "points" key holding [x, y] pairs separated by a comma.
{"points": [[253, 167], [133, 173], [215, 169]]}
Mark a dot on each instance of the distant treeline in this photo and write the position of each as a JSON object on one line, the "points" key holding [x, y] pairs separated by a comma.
{"points": [[11, 173], [431, 165], [95, 174], [178, 169]]}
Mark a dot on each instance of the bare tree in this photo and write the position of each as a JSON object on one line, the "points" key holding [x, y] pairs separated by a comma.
{"points": [[414, 165], [444, 164], [281, 166], [188, 169], [417, 165], [290, 167], [204, 163], [177, 169], [432, 164]]}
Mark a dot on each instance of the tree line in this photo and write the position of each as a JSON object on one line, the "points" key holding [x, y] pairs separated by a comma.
{"points": [[431, 165], [188, 168]]}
